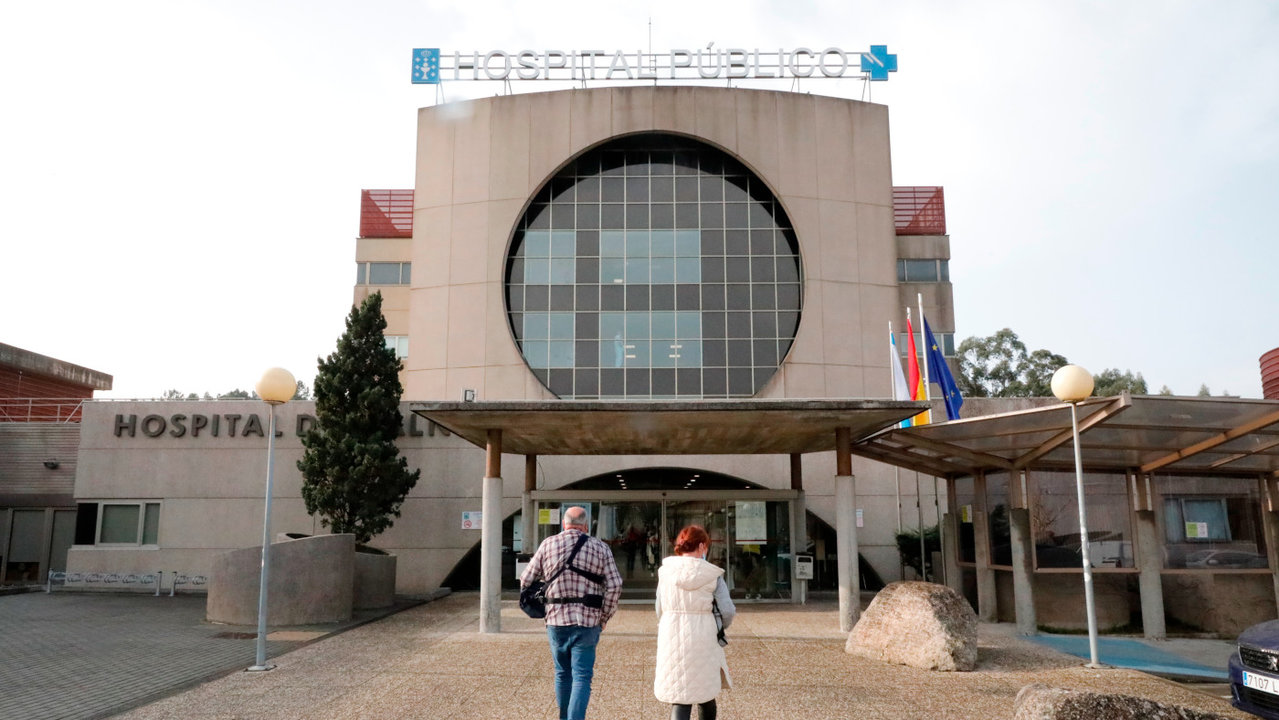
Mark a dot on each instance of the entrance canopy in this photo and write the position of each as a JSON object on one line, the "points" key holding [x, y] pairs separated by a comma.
{"points": [[1210, 436], [729, 427]]}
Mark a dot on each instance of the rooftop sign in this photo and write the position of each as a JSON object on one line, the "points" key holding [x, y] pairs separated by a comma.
{"points": [[431, 67]]}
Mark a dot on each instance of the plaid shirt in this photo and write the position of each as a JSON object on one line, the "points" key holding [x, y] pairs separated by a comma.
{"points": [[595, 557]]}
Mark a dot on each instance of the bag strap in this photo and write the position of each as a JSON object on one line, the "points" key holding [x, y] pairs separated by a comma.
{"points": [[568, 563]]}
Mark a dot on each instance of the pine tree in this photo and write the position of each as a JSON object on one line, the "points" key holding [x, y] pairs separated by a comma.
{"points": [[353, 475]]}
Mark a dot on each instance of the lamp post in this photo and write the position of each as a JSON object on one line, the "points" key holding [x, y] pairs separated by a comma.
{"points": [[276, 387], [1071, 384]]}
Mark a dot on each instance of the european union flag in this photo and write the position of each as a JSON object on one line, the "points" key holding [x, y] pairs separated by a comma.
{"points": [[426, 66], [939, 373]]}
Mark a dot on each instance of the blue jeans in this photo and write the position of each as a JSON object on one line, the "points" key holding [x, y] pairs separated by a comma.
{"points": [[573, 650]]}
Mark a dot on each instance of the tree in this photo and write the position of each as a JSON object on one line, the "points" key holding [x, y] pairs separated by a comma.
{"points": [[353, 475], [1000, 366], [1111, 382], [238, 394], [1204, 391], [303, 392], [1165, 390]]}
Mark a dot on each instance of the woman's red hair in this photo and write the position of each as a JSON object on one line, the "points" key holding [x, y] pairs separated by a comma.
{"points": [[690, 538]]}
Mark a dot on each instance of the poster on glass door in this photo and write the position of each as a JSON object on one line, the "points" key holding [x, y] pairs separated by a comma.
{"points": [[752, 523]]}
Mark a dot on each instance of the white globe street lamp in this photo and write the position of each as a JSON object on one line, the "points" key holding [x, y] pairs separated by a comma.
{"points": [[1071, 384], [276, 387]]}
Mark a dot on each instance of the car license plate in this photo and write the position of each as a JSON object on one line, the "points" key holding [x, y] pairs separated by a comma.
{"points": [[1261, 682]]}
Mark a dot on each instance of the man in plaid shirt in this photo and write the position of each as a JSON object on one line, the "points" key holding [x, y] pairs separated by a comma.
{"points": [[577, 607]]}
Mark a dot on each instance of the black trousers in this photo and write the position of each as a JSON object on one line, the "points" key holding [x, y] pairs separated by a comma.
{"points": [[706, 711]]}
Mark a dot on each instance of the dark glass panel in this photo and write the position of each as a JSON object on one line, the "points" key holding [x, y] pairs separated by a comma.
{"points": [[713, 297], [663, 297], [735, 215], [685, 162], [736, 242], [536, 297], [737, 269], [714, 325], [662, 189], [688, 381], [637, 382], [712, 244], [686, 189], [515, 274], [517, 325], [587, 353], [788, 297], [561, 382], [688, 297], [739, 353], [763, 297], [739, 325], [637, 297], [787, 269], [612, 382], [562, 189], [588, 242], [765, 353], [764, 325], [763, 269], [586, 165], [636, 216], [637, 162], [561, 297], [783, 347], [738, 296], [613, 297], [787, 324], [563, 216], [740, 382], [612, 216], [662, 216], [712, 189], [762, 242], [713, 216], [637, 189], [539, 218], [712, 163], [587, 297], [712, 270], [612, 163], [588, 189], [714, 353], [715, 382], [588, 216], [686, 215], [663, 381], [661, 162], [543, 376], [760, 216], [586, 325], [515, 298], [588, 270], [735, 189], [586, 383]]}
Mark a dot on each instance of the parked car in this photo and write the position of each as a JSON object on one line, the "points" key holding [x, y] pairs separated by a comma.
{"points": [[1254, 671]]}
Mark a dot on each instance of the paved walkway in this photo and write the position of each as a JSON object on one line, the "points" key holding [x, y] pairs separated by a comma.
{"points": [[787, 662], [83, 655]]}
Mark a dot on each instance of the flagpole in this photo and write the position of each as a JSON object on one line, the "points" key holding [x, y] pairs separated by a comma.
{"points": [[923, 366], [892, 385]]}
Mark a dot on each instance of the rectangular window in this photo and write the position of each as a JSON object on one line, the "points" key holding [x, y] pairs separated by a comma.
{"points": [[945, 340], [1211, 523], [127, 523], [399, 344], [930, 270], [383, 273]]}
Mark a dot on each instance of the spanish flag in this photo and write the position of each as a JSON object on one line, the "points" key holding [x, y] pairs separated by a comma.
{"points": [[914, 380]]}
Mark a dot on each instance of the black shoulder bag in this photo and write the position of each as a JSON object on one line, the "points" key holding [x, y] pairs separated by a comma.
{"points": [[533, 596]]}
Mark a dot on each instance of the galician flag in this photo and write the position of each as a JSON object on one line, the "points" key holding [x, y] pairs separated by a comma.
{"points": [[901, 391]]}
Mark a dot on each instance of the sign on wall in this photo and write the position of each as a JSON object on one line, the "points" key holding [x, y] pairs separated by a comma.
{"points": [[432, 67], [472, 520]]}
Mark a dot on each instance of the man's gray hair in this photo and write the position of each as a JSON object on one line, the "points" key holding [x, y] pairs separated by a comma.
{"points": [[575, 517]]}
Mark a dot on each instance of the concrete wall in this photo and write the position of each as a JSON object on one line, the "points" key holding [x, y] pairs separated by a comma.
{"points": [[1224, 603], [480, 162], [311, 581], [198, 478]]}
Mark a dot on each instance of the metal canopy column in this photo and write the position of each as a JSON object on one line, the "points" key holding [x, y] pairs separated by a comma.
{"points": [[528, 512], [798, 527], [850, 602], [491, 537]]}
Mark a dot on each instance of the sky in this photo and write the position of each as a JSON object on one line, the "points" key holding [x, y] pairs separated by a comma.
{"points": [[179, 180]]}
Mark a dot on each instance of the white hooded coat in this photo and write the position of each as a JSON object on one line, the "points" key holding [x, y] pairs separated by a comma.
{"points": [[689, 659]]}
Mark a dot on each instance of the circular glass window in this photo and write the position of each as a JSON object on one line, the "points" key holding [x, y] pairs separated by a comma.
{"points": [[654, 266]]}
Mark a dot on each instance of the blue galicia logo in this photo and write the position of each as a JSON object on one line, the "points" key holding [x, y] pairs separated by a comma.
{"points": [[878, 63], [426, 66]]}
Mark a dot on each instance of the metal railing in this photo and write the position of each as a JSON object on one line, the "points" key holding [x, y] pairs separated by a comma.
{"points": [[60, 410]]}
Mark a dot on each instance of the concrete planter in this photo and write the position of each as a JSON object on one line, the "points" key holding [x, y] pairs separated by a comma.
{"points": [[311, 582], [374, 582]]}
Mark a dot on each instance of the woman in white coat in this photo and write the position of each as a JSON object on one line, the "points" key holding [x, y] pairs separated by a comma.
{"points": [[691, 668]]}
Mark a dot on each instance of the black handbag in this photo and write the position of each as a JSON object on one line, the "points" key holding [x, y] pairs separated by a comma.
{"points": [[719, 623], [533, 595]]}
